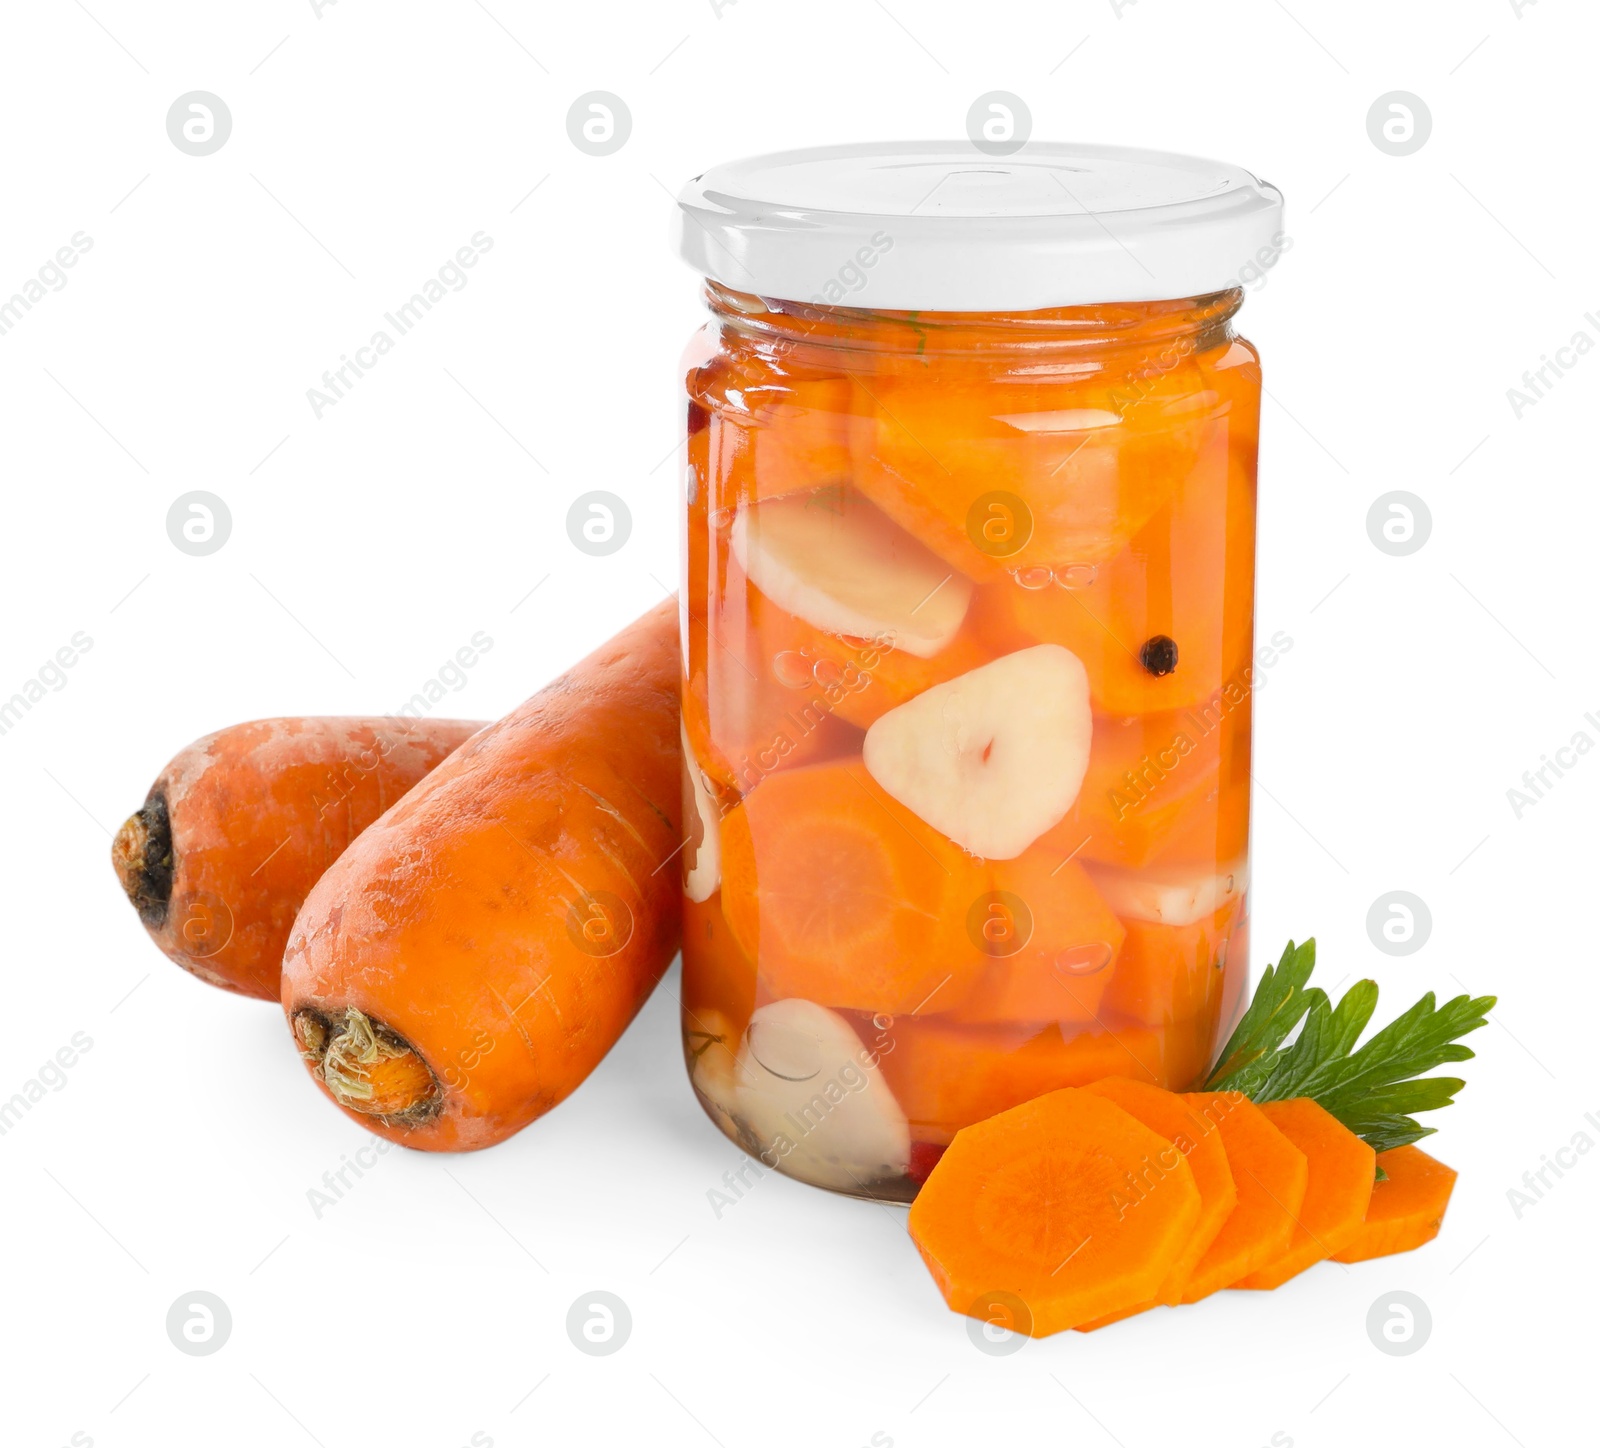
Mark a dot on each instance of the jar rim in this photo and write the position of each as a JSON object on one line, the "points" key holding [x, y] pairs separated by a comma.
{"points": [[796, 328]]}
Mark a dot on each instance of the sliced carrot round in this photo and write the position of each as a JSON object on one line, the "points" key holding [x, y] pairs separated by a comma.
{"points": [[1200, 1146], [841, 895], [1341, 1168], [1407, 1207], [1042, 1203], [1269, 1173], [1199, 1143]]}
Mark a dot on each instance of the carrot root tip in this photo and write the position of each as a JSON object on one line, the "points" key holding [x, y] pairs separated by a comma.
{"points": [[311, 1035], [368, 1068], [141, 854]]}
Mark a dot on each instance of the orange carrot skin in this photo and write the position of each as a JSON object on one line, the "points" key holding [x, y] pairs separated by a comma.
{"points": [[1340, 1171], [1407, 1207], [509, 917], [256, 814]]}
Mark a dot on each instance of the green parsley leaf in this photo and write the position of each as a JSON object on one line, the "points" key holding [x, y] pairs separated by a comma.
{"points": [[1373, 1089], [1277, 1007]]}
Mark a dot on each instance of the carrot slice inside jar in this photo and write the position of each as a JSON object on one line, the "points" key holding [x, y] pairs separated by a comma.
{"points": [[842, 895], [1166, 623], [947, 1075], [1014, 473]]}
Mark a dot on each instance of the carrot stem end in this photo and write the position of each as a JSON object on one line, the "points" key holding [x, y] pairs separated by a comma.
{"points": [[141, 854], [368, 1068]]}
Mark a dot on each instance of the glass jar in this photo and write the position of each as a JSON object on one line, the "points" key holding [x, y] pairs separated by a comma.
{"points": [[968, 657]]}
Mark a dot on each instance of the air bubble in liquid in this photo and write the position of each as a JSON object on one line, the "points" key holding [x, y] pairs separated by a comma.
{"points": [[827, 672], [1034, 578], [1084, 959], [1076, 575], [792, 669]]}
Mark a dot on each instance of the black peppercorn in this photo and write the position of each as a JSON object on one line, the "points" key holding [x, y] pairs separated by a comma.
{"points": [[1159, 655]]}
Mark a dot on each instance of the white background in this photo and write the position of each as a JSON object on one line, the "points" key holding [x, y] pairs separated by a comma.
{"points": [[368, 144]]}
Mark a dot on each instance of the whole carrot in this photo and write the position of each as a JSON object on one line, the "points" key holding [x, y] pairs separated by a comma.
{"points": [[473, 956], [240, 825]]}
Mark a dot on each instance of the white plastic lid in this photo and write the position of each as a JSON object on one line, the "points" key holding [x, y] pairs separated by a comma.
{"points": [[940, 226]]}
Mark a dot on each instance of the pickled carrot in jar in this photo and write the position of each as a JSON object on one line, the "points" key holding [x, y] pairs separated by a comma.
{"points": [[1070, 472], [1169, 973], [1051, 940], [1168, 622], [841, 894], [946, 1076]]}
